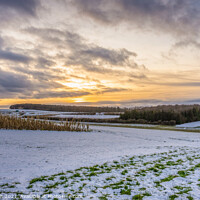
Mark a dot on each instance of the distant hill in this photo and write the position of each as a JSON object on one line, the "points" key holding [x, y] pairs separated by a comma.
{"points": [[63, 108]]}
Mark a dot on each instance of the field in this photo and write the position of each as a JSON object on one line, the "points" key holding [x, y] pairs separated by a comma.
{"points": [[59, 115], [106, 163]]}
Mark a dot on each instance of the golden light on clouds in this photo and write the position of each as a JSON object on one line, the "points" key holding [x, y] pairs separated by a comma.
{"points": [[140, 55]]}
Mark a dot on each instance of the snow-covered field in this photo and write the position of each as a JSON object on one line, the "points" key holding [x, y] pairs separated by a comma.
{"points": [[21, 112], [189, 125], [107, 163], [87, 116]]}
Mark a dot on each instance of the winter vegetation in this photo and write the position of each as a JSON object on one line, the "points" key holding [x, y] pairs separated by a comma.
{"points": [[63, 108], [167, 114], [160, 115], [18, 123], [128, 178]]}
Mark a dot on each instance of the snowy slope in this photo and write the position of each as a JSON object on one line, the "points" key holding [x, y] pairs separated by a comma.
{"points": [[27, 154], [87, 116], [189, 125]]}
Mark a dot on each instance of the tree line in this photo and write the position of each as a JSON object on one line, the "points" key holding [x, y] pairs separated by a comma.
{"points": [[166, 114], [64, 108], [162, 114]]}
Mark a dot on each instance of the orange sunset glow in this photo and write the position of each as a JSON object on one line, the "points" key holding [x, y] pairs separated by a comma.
{"points": [[116, 53]]}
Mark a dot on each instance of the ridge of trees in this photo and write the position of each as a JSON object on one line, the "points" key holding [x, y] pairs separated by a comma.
{"points": [[162, 114], [64, 108], [165, 114]]}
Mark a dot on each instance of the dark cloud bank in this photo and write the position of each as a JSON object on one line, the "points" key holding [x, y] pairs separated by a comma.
{"points": [[180, 17], [22, 6]]}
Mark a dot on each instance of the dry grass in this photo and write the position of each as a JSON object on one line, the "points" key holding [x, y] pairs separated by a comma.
{"points": [[17, 123]]}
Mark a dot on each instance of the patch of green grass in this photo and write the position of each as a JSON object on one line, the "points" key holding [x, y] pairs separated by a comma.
{"points": [[169, 178], [137, 183], [40, 179], [63, 178], [110, 178], [172, 197], [103, 198], [146, 194], [183, 190], [159, 166], [125, 191], [75, 175], [197, 165], [172, 163], [116, 185], [92, 174], [4, 185], [94, 168], [137, 197], [29, 187], [51, 178], [128, 179], [124, 172], [143, 188], [51, 186], [183, 173]]}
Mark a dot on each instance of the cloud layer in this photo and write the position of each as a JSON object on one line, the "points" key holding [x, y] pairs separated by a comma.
{"points": [[27, 7], [179, 17], [70, 49]]}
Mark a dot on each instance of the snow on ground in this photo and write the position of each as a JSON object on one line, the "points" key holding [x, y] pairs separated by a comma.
{"points": [[23, 112], [88, 116], [189, 125], [120, 124], [32, 112], [25, 155]]}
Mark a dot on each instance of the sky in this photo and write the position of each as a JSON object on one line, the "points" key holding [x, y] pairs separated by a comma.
{"points": [[100, 53]]}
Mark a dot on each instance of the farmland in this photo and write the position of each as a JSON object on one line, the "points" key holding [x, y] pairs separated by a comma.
{"points": [[106, 163]]}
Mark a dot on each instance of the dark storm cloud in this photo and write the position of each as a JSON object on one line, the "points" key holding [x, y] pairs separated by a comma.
{"points": [[22, 6], [179, 17], [12, 83], [11, 56]]}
